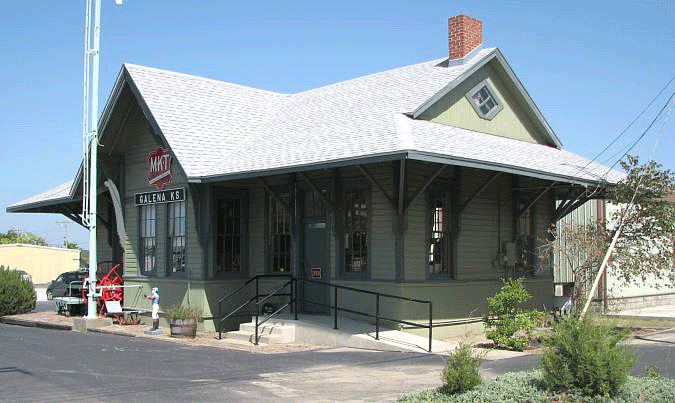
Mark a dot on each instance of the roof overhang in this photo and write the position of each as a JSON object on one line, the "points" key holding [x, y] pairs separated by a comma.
{"points": [[408, 155]]}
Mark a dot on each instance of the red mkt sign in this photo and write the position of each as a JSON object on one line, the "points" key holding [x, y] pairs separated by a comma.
{"points": [[159, 168], [316, 272]]}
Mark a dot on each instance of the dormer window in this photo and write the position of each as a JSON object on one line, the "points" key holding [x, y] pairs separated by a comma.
{"points": [[484, 101]]}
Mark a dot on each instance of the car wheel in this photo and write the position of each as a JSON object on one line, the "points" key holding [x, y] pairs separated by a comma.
{"points": [[50, 295]]}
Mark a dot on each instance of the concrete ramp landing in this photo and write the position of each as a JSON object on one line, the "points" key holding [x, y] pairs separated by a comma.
{"points": [[319, 330]]}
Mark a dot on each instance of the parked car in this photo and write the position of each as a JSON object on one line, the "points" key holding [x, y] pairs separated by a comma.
{"points": [[68, 284], [26, 276]]}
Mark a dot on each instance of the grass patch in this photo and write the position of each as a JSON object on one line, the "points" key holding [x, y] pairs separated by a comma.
{"points": [[527, 386]]}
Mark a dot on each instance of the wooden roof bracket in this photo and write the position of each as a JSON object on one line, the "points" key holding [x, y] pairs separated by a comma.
{"points": [[478, 191], [317, 190], [425, 186], [378, 186], [535, 199], [273, 193]]}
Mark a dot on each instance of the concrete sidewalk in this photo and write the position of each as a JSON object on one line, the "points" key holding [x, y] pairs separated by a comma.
{"points": [[317, 331], [663, 312]]}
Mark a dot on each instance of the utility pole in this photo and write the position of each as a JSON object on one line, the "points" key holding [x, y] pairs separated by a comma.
{"points": [[65, 232]]}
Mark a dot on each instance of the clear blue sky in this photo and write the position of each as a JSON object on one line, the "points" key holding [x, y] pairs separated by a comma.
{"points": [[591, 66]]}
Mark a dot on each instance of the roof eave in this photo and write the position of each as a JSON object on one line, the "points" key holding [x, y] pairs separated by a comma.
{"points": [[26, 208], [338, 163], [470, 163]]}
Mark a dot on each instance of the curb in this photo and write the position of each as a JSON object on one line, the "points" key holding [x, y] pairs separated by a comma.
{"points": [[55, 326], [103, 330], [30, 323]]}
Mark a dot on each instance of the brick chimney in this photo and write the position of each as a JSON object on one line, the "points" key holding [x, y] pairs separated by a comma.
{"points": [[464, 35]]}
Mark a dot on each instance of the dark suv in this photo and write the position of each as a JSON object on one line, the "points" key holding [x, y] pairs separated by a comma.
{"points": [[68, 284]]}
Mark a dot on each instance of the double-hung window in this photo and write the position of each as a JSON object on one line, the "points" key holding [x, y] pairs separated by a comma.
{"points": [[176, 239], [228, 236], [280, 235], [439, 246], [148, 221], [356, 231]]}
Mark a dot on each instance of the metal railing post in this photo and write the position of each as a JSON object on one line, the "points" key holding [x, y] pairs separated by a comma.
{"points": [[336, 308], [377, 316], [255, 341], [220, 321], [430, 326], [294, 296]]}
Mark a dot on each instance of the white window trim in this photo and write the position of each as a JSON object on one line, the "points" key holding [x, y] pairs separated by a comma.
{"points": [[494, 111]]}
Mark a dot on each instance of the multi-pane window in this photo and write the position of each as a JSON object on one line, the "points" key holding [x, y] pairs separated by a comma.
{"points": [[525, 254], [356, 231], [148, 221], [315, 206], [176, 239], [228, 237], [280, 235], [484, 101], [438, 259]]}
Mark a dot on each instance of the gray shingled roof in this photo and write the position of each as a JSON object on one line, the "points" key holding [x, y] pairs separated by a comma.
{"points": [[55, 195], [219, 130], [267, 131], [470, 148]]}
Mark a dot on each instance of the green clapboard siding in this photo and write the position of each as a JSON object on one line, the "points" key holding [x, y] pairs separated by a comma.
{"points": [[513, 121]]}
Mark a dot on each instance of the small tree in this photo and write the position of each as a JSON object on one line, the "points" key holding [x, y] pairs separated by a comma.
{"points": [[586, 356], [504, 316], [645, 245], [460, 373]]}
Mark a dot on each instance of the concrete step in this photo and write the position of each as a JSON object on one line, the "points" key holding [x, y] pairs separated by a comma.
{"points": [[272, 331], [266, 328]]}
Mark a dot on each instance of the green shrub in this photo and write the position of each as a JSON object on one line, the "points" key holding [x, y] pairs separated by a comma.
{"points": [[16, 295], [585, 356], [504, 317], [461, 370]]}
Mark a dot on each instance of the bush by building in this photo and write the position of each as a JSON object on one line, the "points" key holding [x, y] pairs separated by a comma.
{"points": [[585, 355], [16, 294]]}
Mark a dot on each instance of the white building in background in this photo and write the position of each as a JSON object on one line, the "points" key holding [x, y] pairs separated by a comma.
{"points": [[613, 291], [43, 263]]}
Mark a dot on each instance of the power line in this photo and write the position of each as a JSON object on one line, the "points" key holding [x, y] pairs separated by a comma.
{"points": [[644, 133], [625, 130], [636, 118]]}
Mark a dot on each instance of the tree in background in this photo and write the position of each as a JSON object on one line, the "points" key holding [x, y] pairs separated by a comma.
{"points": [[644, 248], [71, 245], [16, 236]]}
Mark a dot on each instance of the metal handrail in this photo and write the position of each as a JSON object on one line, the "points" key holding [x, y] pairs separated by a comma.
{"points": [[293, 300], [377, 315], [256, 297]]}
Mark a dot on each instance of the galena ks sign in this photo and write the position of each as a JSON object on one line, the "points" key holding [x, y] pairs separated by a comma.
{"points": [[159, 168]]}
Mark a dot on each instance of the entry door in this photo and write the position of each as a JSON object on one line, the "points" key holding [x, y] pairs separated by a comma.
{"points": [[315, 267]]}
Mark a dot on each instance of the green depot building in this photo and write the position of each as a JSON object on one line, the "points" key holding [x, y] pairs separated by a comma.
{"points": [[430, 181]]}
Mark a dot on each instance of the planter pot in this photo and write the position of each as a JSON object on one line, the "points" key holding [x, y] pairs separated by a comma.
{"points": [[183, 327]]}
